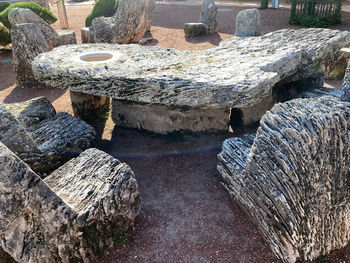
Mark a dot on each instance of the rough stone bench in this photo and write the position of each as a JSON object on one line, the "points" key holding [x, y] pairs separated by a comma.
{"points": [[73, 215], [292, 176], [165, 90], [42, 138]]}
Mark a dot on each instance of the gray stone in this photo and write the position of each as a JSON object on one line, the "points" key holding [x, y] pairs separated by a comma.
{"points": [[195, 29], [27, 43], [151, 6], [292, 177], [32, 111], [208, 16], [85, 35], [65, 37], [73, 215], [102, 30], [241, 73], [23, 15], [163, 119], [71, 135], [128, 25], [248, 23], [335, 68], [145, 40], [52, 139], [15, 137], [345, 91], [89, 107]]}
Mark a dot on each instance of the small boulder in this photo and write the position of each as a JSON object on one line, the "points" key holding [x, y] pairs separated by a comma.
{"points": [[27, 43], [23, 15], [208, 16], [195, 29], [248, 23]]}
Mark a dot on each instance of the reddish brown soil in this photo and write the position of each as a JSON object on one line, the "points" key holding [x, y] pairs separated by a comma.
{"points": [[186, 215]]}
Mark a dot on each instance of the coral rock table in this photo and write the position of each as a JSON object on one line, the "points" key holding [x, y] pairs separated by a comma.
{"points": [[165, 90]]}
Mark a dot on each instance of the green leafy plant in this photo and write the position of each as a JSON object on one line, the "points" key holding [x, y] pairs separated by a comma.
{"points": [[3, 5], [102, 8], [5, 37], [39, 10]]}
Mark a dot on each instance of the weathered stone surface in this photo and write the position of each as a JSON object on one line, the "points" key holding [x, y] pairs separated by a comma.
{"points": [[85, 35], [27, 43], [195, 29], [145, 40], [52, 139], [128, 25], [32, 111], [65, 37], [89, 107], [248, 23], [345, 91], [337, 66], [15, 137], [151, 6], [162, 119], [72, 216], [208, 16], [292, 177], [241, 72], [71, 135], [23, 15]]}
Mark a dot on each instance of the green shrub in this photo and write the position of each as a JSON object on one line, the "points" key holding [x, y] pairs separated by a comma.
{"points": [[102, 8], [322, 13], [37, 9], [5, 37], [3, 5]]}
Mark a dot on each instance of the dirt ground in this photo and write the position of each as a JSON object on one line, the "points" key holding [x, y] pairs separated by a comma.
{"points": [[186, 215]]}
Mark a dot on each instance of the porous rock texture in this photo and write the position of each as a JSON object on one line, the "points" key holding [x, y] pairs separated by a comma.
{"points": [[345, 91], [15, 137], [162, 119], [31, 35], [292, 177], [23, 16], [71, 216], [208, 16], [27, 43], [248, 23], [240, 73], [128, 25], [52, 138]]}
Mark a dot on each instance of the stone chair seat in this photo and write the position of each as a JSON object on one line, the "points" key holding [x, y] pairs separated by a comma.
{"points": [[72, 215], [128, 25], [42, 138], [292, 176]]}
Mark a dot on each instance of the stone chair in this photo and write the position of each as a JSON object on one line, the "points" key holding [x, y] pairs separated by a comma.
{"points": [[31, 35], [292, 177], [128, 25], [73, 215], [40, 137], [207, 24]]}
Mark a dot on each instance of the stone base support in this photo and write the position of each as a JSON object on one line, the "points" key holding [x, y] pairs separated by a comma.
{"points": [[165, 119], [89, 107]]}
